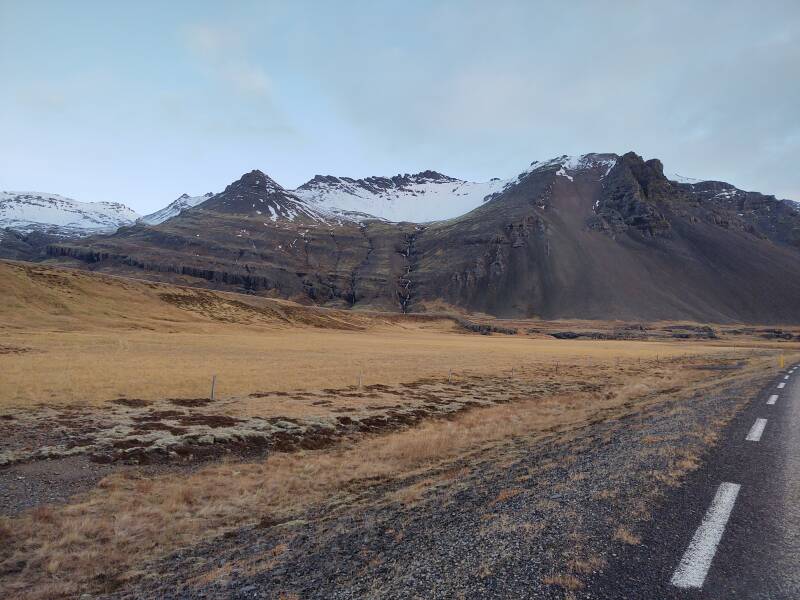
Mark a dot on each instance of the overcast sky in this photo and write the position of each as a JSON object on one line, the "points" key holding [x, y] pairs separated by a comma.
{"points": [[139, 102]]}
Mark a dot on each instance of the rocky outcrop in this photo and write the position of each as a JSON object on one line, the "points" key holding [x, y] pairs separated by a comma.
{"points": [[631, 195]]}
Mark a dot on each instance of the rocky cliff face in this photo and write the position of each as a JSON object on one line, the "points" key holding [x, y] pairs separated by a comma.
{"points": [[599, 236], [631, 195]]}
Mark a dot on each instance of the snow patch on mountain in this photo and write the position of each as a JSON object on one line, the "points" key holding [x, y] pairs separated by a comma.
{"points": [[417, 198], [174, 208], [681, 179], [567, 166], [58, 215]]}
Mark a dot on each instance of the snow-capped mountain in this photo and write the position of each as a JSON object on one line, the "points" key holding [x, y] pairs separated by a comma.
{"points": [[174, 208], [57, 215], [258, 196], [428, 196], [592, 236], [417, 198]]}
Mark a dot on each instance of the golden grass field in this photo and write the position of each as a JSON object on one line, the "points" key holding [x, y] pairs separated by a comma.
{"points": [[76, 338], [71, 337], [106, 536]]}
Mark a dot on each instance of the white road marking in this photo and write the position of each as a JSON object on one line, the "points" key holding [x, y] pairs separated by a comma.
{"points": [[786, 377], [756, 430], [693, 568], [772, 399], [781, 385]]}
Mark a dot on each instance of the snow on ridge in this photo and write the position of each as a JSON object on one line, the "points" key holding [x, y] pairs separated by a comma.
{"points": [[37, 211], [569, 165], [174, 208], [681, 179], [420, 198], [429, 196]]}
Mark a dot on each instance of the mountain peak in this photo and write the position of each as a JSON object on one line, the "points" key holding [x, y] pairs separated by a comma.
{"points": [[429, 175], [256, 180], [648, 174], [566, 166]]}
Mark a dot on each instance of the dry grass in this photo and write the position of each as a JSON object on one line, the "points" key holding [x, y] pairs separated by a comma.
{"points": [[100, 366], [101, 538], [505, 494], [565, 581], [410, 494], [626, 536], [88, 339], [586, 566]]}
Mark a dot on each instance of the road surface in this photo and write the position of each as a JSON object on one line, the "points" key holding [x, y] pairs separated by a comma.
{"points": [[733, 530]]}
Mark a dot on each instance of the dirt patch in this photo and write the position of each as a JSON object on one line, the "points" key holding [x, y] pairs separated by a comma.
{"points": [[720, 367], [159, 426], [157, 415], [14, 349], [209, 420], [190, 402], [131, 402]]}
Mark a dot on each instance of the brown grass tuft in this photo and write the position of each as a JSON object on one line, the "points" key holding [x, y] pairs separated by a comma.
{"points": [[504, 495], [585, 566], [624, 535], [564, 581]]}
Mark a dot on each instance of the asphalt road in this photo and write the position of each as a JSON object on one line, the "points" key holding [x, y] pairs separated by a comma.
{"points": [[733, 530]]}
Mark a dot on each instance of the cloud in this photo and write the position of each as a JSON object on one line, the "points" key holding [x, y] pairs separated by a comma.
{"points": [[223, 52]]}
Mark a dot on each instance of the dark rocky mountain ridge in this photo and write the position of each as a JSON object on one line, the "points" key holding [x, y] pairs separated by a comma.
{"points": [[378, 184], [597, 238]]}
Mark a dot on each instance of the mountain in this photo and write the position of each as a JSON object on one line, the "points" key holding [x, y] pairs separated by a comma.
{"points": [[598, 236], [174, 208], [26, 212]]}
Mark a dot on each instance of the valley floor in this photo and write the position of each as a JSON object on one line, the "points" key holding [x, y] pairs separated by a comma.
{"points": [[344, 455]]}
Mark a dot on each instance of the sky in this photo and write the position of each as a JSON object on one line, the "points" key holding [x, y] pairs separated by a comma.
{"points": [[139, 102]]}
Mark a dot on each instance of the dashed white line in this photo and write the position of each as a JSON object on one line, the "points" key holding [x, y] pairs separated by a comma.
{"points": [[781, 385], [786, 377], [772, 399], [756, 430], [693, 568]]}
